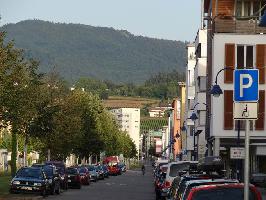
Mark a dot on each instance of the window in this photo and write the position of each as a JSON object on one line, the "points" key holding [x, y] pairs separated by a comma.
{"points": [[202, 118], [191, 131], [245, 8], [202, 83], [245, 57]]}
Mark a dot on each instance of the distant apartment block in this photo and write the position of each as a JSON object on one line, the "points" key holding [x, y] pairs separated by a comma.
{"points": [[129, 120]]}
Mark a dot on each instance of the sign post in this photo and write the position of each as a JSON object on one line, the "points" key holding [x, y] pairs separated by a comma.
{"points": [[246, 93]]}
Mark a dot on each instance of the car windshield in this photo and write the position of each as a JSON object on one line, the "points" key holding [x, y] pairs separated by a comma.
{"points": [[175, 168], [82, 170], [29, 172], [90, 168], [48, 170], [222, 194], [71, 171]]}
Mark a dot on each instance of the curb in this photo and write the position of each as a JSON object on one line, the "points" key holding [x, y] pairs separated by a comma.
{"points": [[21, 197]]}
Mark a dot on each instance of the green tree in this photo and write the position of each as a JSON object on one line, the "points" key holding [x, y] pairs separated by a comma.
{"points": [[18, 92]]}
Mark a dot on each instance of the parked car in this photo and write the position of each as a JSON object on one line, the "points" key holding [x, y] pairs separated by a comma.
{"points": [[113, 170], [106, 171], [52, 176], [93, 173], [100, 171], [74, 179], [177, 169], [122, 167], [61, 169], [30, 180], [161, 189], [179, 183], [222, 192], [84, 175], [184, 191]]}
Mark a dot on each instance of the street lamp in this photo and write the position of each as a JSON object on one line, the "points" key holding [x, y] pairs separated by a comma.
{"points": [[216, 90], [263, 20], [194, 117]]}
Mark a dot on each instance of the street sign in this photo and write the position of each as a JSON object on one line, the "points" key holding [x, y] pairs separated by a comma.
{"points": [[237, 153], [246, 85], [245, 111]]}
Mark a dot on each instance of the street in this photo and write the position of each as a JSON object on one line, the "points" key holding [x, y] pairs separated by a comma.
{"points": [[131, 185]]}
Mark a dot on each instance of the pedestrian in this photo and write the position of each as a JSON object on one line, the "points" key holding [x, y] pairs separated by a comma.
{"points": [[143, 169]]}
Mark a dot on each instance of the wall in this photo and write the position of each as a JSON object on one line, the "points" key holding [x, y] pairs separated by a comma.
{"points": [[217, 110]]}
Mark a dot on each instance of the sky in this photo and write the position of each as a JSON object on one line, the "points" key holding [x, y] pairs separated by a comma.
{"points": [[164, 19]]}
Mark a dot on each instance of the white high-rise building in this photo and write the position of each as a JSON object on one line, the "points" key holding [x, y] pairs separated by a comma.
{"points": [[129, 120]]}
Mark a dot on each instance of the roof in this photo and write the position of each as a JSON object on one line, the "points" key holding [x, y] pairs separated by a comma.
{"points": [[202, 181]]}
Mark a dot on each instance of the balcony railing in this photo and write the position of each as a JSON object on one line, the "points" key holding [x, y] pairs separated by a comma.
{"points": [[231, 24]]}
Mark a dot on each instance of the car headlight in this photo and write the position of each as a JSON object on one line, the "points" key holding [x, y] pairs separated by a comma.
{"points": [[37, 184], [16, 182]]}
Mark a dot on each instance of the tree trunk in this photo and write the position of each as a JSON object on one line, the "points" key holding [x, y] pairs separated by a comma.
{"points": [[26, 151], [14, 152]]}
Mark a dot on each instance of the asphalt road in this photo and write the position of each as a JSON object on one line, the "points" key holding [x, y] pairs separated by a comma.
{"points": [[131, 185]]}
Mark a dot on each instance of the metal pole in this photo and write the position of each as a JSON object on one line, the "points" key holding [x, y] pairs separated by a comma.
{"points": [[194, 144], [246, 175]]}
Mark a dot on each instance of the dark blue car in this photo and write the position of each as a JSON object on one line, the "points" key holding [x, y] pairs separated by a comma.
{"points": [[30, 180]]}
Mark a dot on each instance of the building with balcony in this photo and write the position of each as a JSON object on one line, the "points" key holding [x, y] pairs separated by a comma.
{"points": [[235, 41], [188, 138], [129, 120], [200, 105]]}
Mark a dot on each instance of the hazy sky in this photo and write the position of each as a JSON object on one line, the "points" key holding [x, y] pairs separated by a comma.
{"points": [[168, 19]]}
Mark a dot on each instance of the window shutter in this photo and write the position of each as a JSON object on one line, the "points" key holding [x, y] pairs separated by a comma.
{"points": [[228, 110], [261, 61], [261, 111], [229, 62]]}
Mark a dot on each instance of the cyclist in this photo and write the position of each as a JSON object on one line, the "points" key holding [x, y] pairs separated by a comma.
{"points": [[143, 169]]}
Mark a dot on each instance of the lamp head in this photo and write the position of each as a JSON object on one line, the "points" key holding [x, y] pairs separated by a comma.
{"points": [[216, 90], [194, 117], [263, 20], [183, 128]]}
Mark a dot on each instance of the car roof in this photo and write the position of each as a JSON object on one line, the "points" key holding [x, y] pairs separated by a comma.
{"points": [[199, 181]]}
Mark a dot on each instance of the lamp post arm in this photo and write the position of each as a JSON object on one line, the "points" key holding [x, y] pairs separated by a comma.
{"points": [[216, 78]]}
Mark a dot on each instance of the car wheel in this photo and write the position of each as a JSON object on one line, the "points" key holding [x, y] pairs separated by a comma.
{"points": [[79, 186], [58, 191], [44, 193], [52, 190]]}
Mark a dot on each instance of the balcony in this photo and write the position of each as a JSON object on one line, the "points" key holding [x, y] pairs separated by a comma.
{"points": [[231, 24], [201, 66]]}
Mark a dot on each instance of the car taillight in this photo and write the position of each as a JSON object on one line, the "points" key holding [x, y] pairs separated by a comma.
{"points": [[167, 184], [77, 178]]}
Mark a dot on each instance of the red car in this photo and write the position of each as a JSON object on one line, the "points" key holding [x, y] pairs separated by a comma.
{"points": [[233, 191], [74, 179], [113, 170], [84, 175]]}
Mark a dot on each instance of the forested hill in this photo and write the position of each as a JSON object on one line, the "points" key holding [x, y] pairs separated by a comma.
{"points": [[77, 50]]}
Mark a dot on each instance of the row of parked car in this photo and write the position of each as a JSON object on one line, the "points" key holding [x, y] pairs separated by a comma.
{"points": [[203, 180], [52, 177]]}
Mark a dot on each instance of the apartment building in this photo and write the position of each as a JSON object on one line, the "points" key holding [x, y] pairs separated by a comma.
{"points": [[129, 120], [235, 41], [189, 143], [200, 105]]}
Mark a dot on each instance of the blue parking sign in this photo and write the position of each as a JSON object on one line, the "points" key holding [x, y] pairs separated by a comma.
{"points": [[246, 85]]}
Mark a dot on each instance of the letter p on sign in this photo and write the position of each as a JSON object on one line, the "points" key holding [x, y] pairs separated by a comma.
{"points": [[246, 85]]}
